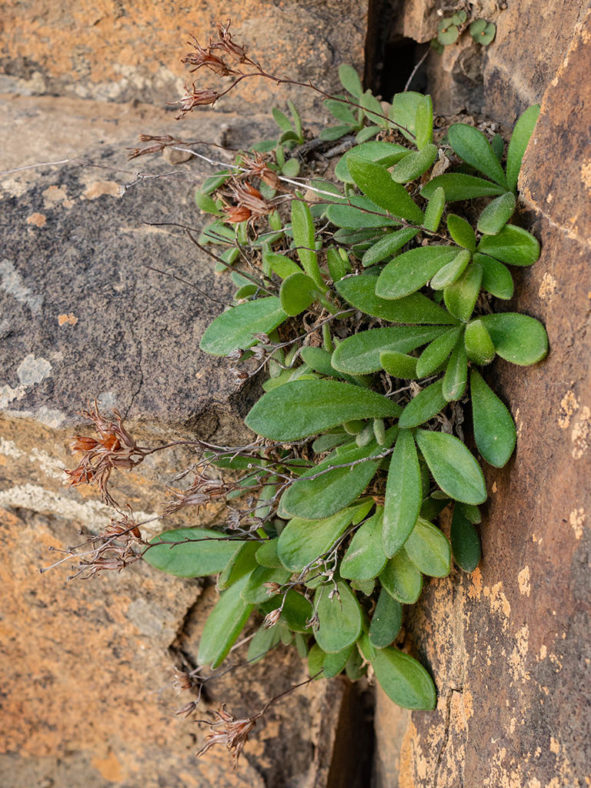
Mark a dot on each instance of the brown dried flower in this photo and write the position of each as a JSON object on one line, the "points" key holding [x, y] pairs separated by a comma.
{"points": [[196, 98], [114, 448], [225, 729]]}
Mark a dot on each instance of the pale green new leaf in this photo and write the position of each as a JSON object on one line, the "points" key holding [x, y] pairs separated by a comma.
{"points": [[360, 354], [519, 140], [428, 549], [235, 328], [207, 555], [517, 338], [375, 181], [452, 465], [411, 270], [512, 245], [472, 146], [404, 680]]}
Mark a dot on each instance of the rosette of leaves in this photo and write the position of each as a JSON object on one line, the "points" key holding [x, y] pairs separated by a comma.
{"points": [[400, 270]]}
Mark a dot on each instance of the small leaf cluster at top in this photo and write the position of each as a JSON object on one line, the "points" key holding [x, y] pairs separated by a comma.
{"points": [[450, 28]]}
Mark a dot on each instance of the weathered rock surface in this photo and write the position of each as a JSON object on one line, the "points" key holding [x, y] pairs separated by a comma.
{"points": [[122, 51], [87, 666], [509, 645]]}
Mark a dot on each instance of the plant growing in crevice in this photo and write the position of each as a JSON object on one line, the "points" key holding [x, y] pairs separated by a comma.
{"points": [[367, 299]]}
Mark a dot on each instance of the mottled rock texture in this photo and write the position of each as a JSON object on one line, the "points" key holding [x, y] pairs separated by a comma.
{"points": [[509, 645], [120, 50], [87, 667]]}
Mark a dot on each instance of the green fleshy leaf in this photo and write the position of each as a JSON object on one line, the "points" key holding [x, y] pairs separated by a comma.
{"points": [[366, 133], [388, 246], [319, 360], [280, 264], [403, 494], [496, 278], [517, 338], [302, 226], [264, 641], [519, 140], [341, 111], [404, 680], [434, 210], [297, 611], [338, 618], [205, 203], [242, 563], [465, 542], [266, 554], [375, 182], [483, 32], [359, 354], [460, 298], [338, 263], [435, 354], [401, 579], [223, 625], [291, 168], [494, 429], [415, 164], [316, 661], [496, 214], [335, 663], [314, 406], [399, 365], [470, 512], [512, 245], [386, 153], [373, 109], [453, 467], [350, 80], [234, 329], [448, 35], [207, 556], [332, 133], [461, 231], [456, 374], [332, 490], [429, 550], [458, 186], [365, 557], [359, 291], [302, 541], [423, 407], [359, 215], [404, 112], [472, 146], [297, 292], [451, 272], [408, 272], [386, 621], [479, 346], [424, 125]]}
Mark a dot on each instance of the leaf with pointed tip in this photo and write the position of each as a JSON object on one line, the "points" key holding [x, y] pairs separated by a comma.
{"points": [[424, 124], [408, 272], [435, 353], [461, 231], [302, 226], [359, 213], [350, 80], [456, 374], [387, 246], [235, 328], [386, 621], [423, 407], [401, 579], [453, 467], [375, 182], [494, 429], [458, 186], [404, 494], [496, 278], [428, 549], [302, 541], [339, 621], [280, 264], [360, 354], [207, 555], [404, 112], [359, 291], [496, 214], [512, 245], [472, 146], [404, 680], [465, 542], [460, 297], [519, 140], [517, 338], [434, 210], [365, 557], [314, 406], [224, 624], [451, 272], [415, 164]]}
